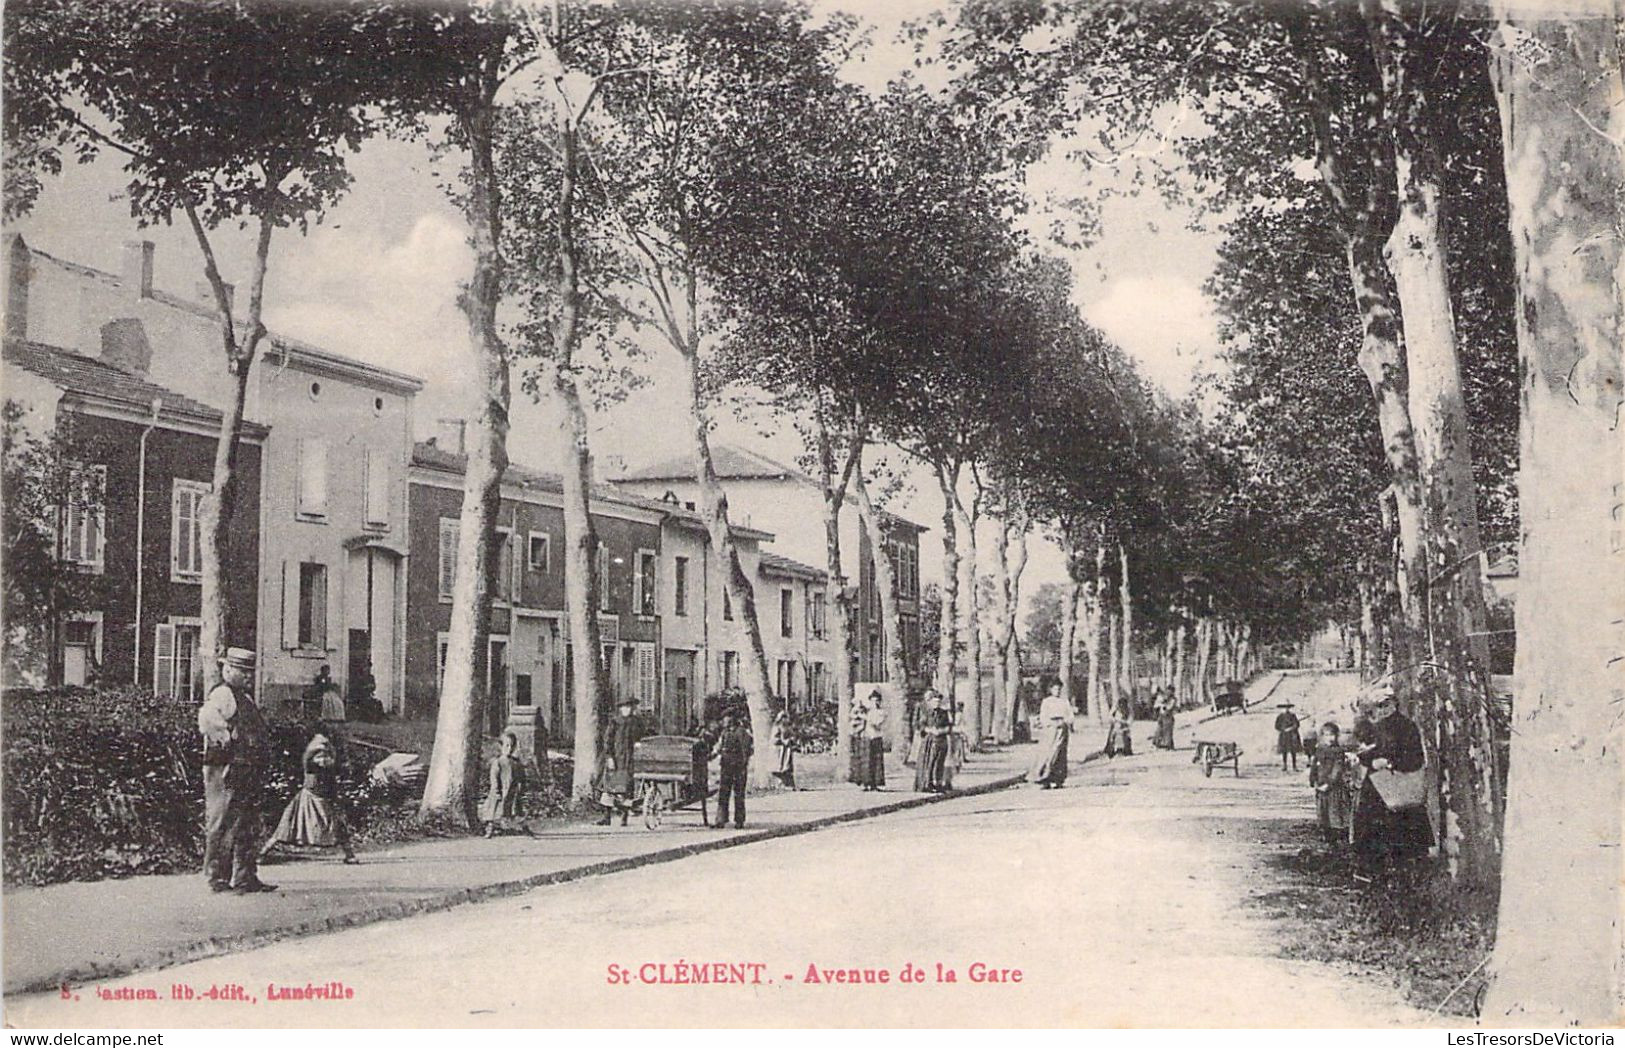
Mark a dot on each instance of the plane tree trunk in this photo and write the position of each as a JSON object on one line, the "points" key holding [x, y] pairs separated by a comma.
{"points": [[1455, 711], [451, 788], [975, 728], [219, 505], [891, 626], [834, 481], [1558, 948]]}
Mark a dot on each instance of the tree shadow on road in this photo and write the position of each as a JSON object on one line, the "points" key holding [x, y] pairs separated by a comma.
{"points": [[1409, 926]]}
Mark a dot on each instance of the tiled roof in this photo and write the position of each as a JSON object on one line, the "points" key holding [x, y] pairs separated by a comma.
{"points": [[76, 373], [773, 564], [730, 461], [288, 346], [425, 453], [733, 462]]}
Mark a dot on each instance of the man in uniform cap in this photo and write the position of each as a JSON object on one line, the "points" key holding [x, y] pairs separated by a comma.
{"points": [[236, 750]]}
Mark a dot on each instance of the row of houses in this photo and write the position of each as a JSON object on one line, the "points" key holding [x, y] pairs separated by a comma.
{"points": [[346, 526]]}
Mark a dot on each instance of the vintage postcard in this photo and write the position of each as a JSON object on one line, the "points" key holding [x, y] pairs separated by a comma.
{"points": [[812, 513]]}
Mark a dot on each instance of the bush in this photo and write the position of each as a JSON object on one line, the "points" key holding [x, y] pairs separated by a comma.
{"points": [[109, 783], [813, 728]]}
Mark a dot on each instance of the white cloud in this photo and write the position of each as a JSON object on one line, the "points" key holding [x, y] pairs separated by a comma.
{"points": [[389, 303], [1166, 324]]}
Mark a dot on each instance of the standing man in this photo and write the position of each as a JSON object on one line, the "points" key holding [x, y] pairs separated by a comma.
{"points": [[236, 749], [734, 748]]}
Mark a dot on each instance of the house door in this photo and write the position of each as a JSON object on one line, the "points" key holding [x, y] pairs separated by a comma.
{"points": [[497, 686], [677, 698], [360, 658], [78, 652]]}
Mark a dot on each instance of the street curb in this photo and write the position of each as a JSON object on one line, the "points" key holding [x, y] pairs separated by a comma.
{"points": [[223, 945]]}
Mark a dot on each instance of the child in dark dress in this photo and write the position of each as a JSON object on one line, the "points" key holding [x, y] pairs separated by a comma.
{"points": [[1329, 775], [502, 807]]}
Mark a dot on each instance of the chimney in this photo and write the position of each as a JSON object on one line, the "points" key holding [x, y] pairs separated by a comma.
{"points": [[452, 430], [205, 294], [18, 262], [125, 346], [138, 266]]}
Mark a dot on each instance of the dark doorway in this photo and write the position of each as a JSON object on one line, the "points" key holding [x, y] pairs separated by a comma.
{"points": [[360, 660]]}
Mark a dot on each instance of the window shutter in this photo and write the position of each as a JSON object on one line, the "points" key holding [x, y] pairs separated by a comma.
{"points": [[98, 515], [328, 607], [604, 603], [179, 530], [163, 659], [290, 604], [448, 557], [637, 586], [646, 673], [335, 605]]}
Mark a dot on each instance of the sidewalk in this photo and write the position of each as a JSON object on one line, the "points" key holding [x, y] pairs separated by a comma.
{"points": [[86, 931]]}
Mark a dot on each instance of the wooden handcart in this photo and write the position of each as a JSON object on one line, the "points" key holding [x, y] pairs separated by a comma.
{"points": [[670, 773], [1213, 754]]}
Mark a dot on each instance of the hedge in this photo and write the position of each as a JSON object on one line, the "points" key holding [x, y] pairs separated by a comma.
{"points": [[110, 784]]}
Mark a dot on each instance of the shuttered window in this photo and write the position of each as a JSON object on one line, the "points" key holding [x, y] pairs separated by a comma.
{"points": [[312, 605], [643, 583], [186, 531], [163, 659], [177, 672], [504, 578], [604, 603], [84, 516]]}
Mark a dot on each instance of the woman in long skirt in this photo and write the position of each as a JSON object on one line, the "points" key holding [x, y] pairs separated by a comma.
{"points": [[1164, 738], [1119, 740], [1389, 741], [931, 773], [784, 748], [313, 819], [874, 742], [1055, 722]]}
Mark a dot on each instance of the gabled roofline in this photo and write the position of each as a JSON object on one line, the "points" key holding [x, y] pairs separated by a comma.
{"points": [[294, 351]]}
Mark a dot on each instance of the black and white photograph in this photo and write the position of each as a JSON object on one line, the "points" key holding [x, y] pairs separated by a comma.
{"points": [[813, 514]]}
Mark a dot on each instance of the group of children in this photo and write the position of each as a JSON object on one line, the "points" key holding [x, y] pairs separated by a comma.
{"points": [[1332, 771]]}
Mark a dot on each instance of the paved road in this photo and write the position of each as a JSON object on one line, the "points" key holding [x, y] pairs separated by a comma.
{"points": [[1121, 899]]}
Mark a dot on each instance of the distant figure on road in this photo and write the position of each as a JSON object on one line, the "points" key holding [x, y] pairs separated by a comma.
{"points": [[236, 749], [314, 819], [734, 749], [1396, 829], [1287, 743], [872, 741], [931, 774], [1329, 774], [1164, 703], [1055, 728], [1119, 739], [501, 808], [615, 785]]}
